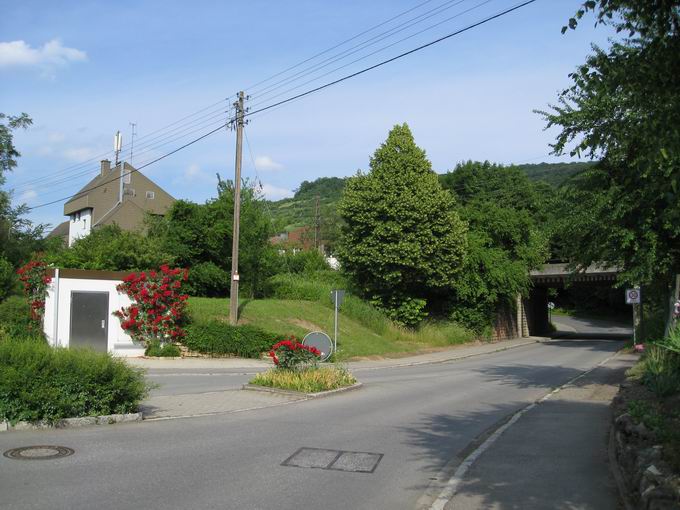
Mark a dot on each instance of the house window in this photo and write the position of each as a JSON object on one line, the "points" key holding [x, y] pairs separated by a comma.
{"points": [[150, 195]]}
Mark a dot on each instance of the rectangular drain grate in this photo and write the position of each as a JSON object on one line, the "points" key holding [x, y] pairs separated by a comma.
{"points": [[334, 460]]}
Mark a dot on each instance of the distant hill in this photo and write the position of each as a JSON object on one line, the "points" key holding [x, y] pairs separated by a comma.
{"points": [[553, 173], [299, 210]]}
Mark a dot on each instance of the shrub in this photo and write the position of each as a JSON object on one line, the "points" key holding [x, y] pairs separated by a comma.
{"points": [[290, 354], [38, 382], [662, 370], [207, 279], [303, 262], [158, 308], [299, 287], [15, 319], [34, 277], [219, 338], [403, 310], [155, 348], [8, 280], [308, 381], [317, 286]]}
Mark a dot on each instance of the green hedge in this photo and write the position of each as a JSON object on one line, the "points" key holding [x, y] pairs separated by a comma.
{"points": [[154, 348], [15, 319], [219, 338], [38, 382]]}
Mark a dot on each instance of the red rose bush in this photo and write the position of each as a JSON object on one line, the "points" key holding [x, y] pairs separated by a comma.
{"points": [[290, 354], [158, 308], [34, 278]]}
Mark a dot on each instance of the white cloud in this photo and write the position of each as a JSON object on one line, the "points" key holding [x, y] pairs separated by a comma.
{"points": [[80, 154], [27, 196], [192, 174], [48, 57], [45, 150], [193, 171], [267, 163], [56, 136], [275, 193]]}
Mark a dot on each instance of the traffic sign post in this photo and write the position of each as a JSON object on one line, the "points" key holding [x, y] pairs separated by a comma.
{"points": [[634, 298], [551, 305], [337, 297]]}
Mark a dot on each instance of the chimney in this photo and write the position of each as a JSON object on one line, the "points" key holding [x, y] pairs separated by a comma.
{"points": [[106, 166]]}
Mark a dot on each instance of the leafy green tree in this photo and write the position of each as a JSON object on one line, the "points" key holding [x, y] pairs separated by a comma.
{"points": [[112, 249], [508, 237], [200, 235], [8, 278], [403, 243], [624, 109], [19, 237]]}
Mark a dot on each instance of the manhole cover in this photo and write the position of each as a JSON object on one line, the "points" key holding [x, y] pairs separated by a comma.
{"points": [[335, 460], [38, 452]]}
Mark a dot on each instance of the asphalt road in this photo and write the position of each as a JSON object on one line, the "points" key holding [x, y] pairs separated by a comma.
{"points": [[189, 380], [579, 327], [417, 421]]}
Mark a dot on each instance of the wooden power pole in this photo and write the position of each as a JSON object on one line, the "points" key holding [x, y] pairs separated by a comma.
{"points": [[233, 295], [317, 225]]}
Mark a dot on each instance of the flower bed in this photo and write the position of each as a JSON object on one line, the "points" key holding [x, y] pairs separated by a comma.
{"points": [[310, 380]]}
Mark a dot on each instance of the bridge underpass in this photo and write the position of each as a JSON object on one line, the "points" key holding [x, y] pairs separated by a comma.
{"points": [[535, 314]]}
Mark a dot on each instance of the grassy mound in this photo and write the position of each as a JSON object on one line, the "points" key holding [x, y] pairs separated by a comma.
{"points": [[357, 337]]}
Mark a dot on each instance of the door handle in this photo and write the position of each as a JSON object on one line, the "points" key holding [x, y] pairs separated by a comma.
{"points": [[103, 323]]}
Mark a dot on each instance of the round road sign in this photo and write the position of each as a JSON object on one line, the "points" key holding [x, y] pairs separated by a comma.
{"points": [[321, 341]]}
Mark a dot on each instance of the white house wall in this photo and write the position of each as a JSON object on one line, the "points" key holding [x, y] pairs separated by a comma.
{"points": [[118, 342], [79, 225]]}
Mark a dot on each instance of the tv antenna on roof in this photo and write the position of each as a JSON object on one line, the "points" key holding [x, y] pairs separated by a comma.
{"points": [[117, 145], [132, 138]]}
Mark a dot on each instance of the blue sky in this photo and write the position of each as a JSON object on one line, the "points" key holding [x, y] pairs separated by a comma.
{"points": [[85, 69]]}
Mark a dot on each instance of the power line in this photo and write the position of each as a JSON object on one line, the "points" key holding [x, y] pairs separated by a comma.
{"points": [[358, 47], [149, 146], [377, 51], [79, 166], [134, 170], [338, 45], [311, 91], [401, 55], [138, 139]]}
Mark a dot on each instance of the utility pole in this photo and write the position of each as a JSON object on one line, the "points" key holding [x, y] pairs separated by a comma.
{"points": [[233, 295], [317, 224]]}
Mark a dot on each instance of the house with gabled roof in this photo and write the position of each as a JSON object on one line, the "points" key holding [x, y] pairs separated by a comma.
{"points": [[119, 195]]}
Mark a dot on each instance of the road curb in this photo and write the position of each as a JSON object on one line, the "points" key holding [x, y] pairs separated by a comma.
{"points": [[304, 396], [536, 340], [615, 469], [71, 423]]}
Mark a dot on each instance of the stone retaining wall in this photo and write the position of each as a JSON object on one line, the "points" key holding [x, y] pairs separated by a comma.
{"points": [[648, 481]]}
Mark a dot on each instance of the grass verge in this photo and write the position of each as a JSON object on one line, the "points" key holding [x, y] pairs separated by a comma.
{"points": [[310, 380], [355, 339]]}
